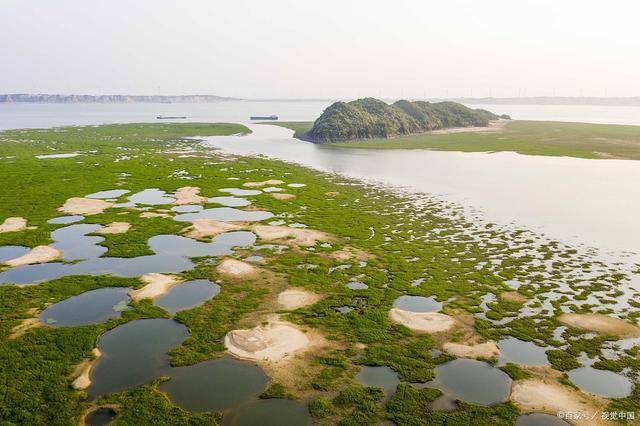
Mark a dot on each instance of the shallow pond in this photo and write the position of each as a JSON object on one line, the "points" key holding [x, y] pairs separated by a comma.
{"points": [[540, 419], [134, 353], [112, 193], [241, 192], [379, 377], [230, 201], [357, 285], [76, 244], [269, 412], [417, 304], [100, 417], [188, 208], [151, 197], [225, 214], [172, 252], [92, 307], [188, 295], [65, 220], [214, 385], [601, 382], [521, 352], [472, 381], [11, 252]]}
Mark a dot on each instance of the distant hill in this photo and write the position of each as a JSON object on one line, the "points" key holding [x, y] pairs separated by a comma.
{"points": [[109, 99], [553, 100], [372, 118]]}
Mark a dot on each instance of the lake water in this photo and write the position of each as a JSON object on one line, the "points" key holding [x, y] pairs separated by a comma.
{"points": [[569, 199]]}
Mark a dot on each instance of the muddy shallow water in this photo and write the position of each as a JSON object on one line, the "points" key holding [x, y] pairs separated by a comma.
{"points": [[472, 381], [188, 295], [91, 307], [134, 353]]}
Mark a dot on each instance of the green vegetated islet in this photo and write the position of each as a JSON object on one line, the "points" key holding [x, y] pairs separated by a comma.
{"points": [[370, 118]]}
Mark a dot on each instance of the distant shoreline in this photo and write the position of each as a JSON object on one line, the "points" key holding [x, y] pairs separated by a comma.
{"points": [[632, 101], [109, 99]]}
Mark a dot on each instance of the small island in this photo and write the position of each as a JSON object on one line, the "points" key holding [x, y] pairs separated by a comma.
{"points": [[371, 118]]}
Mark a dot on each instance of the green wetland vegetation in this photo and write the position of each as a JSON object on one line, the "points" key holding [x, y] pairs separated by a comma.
{"points": [[494, 282], [580, 140]]}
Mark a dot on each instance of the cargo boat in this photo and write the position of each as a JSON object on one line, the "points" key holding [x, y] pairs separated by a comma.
{"points": [[160, 117]]}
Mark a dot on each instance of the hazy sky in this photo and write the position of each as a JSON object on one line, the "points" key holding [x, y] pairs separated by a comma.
{"points": [[324, 48]]}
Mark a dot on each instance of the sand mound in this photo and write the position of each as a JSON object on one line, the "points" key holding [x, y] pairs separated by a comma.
{"points": [[350, 253], [259, 184], [551, 397], [283, 196], [157, 285], [154, 214], [236, 268], [84, 206], [114, 228], [300, 236], [83, 381], [203, 228], [601, 324], [294, 298], [481, 350], [13, 224], [513, 296], [272, 342], [429, 322], [189, 195], [40, 254]]}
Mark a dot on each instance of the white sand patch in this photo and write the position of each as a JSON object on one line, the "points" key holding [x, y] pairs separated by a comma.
{"points": [[283, 197], [551, 397], [40, 254], [13, 224], [114, 228], [300, 236], [272, 342], [494, 126], [601, 324], [481, 350], [266, 182], [84, 206], [203, 228], [83, 381], [236, 268], [189, 195], [157, 285], [294, 298], [154, 214], [428, 322]]}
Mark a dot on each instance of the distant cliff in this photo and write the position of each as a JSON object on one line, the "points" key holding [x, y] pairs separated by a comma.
{"points": [[109, 99], [372, 118]]}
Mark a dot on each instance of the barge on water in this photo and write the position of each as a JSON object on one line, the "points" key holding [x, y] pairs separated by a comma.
{"points": [[264, 117], [162, 117]]}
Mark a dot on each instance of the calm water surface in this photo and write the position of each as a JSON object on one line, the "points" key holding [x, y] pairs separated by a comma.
{"points": [[92, 307], [188, 295]]}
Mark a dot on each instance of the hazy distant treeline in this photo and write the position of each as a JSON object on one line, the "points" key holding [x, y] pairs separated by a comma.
{"points": [[109, 98], [553, 100]]}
